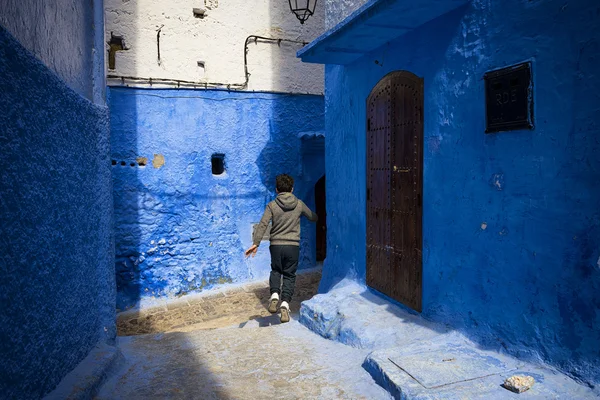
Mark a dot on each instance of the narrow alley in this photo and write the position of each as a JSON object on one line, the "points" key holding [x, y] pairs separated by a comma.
{"points": [[228, 357], [284, 199]]}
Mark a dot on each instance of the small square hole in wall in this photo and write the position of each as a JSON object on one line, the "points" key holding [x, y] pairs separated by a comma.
{"points": [[218, 164]]}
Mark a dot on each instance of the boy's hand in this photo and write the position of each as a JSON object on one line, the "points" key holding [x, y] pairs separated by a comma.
{"points": [[252, 250]]}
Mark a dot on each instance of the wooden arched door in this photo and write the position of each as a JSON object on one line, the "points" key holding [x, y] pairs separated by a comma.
{"points": [[395, 187]]}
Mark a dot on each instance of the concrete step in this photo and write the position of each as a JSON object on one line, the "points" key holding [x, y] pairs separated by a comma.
{"points": [[450, 368], [353, 315], [414, 358], [91, 373]]}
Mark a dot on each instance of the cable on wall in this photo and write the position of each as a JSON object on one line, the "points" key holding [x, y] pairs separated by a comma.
{"points": [[210, 85], [158, 43]]}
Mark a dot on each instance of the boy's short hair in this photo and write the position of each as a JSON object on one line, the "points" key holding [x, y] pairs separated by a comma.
{"points": [[284, 183]]}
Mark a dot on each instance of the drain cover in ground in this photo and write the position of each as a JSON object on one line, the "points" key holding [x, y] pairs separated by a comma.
{"points": [[436, 366]]}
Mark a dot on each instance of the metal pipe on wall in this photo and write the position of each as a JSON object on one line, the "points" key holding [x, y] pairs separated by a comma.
{"points": [[211, 85]]}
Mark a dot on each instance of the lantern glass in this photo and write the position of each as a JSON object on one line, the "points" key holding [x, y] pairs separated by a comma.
{"points": [[303, 8]]}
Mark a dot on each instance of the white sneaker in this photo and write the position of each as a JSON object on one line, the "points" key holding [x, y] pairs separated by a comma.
{"points": [[273, 301], [284, 309]]}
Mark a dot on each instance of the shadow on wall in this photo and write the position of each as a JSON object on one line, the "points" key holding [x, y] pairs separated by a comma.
{"points": [[126, 165], [138, 163], [303, 154], [312, 164], [296, 147], [180, 226], [56, 255]]}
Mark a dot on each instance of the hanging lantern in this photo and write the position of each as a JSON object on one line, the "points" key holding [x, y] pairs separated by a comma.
{"points": [[303, 8]]}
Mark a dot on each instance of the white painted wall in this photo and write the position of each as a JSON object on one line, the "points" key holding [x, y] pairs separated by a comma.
{"points": [[337, 10], [61, 35], [217, 40]]}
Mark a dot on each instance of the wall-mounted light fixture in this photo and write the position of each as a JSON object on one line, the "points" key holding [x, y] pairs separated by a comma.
{"points": [[303, 8]]}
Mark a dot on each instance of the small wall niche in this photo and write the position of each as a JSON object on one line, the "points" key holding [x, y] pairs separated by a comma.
{"points": [[217, 161], [116, 43], [201, 68]]}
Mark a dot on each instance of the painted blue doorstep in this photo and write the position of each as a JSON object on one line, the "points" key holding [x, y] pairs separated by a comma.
{"points": [[448, 368], [413, 358]]}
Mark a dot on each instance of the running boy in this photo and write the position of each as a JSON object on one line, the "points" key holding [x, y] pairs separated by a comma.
{"points": [[284, 212]]}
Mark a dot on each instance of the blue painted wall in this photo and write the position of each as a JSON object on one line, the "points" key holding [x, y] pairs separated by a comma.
{"points": [[57, 286], [529, 281], [178, 227], [61, 35]]}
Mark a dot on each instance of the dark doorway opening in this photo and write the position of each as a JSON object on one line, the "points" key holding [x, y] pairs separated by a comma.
{"points": [[321, 211], [395, 187]]}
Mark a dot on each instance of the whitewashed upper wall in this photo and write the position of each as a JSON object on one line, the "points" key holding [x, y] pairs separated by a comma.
{"points": [[337, 10], [61, 35], [217, 40]]}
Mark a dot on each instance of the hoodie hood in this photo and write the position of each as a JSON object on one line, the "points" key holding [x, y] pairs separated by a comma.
{"points": [[287, 201]]}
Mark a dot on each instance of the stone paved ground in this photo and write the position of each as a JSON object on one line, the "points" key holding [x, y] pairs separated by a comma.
{"points": [[284, 361], [228, 346], [219, 309]]}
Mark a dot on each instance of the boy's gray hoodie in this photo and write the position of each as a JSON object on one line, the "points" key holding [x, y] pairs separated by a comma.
{"points": [[284, 212]]}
